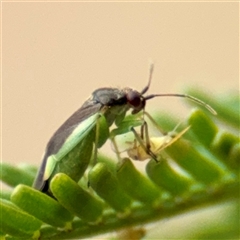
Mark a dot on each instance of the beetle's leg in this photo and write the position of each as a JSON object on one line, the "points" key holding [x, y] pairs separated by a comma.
{"points": [[155, 123], [144, 135], [145, 126], [146, 146], [114, 144], [172, 133], [142, 131]]}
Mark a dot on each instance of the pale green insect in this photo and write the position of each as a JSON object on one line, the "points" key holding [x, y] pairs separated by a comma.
{"points": [[157, 144], [70, 148]]}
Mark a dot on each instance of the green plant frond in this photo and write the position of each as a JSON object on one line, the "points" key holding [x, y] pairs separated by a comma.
{"points": [[197, 172]]}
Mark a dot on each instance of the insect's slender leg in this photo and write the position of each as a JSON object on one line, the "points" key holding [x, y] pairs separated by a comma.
{"points": [[155, 123], [144, 134], [147, 138], [116, 148], [143, 145], [171, 133], [148, 146], [142, 131]]}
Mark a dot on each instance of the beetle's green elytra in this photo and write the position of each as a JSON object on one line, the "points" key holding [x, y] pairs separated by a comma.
{"points": [[70, 148]]}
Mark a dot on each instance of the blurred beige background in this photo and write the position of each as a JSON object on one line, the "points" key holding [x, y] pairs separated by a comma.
{"points": [[55, 54]]}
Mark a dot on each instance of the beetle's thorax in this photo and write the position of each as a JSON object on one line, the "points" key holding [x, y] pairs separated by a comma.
{"points": [[116, 96], [109, 96]]}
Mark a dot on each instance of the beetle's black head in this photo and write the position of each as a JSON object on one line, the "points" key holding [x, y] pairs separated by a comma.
{"points": [[135, 100]]}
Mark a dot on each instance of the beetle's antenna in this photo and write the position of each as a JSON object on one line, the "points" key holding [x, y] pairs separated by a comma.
{"points": [[145, 89], [185, 96]]}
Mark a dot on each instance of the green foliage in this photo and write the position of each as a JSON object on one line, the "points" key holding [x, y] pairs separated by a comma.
{"points": [[197, 174]]}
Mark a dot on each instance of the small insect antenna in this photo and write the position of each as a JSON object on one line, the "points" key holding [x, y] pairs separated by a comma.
{"points": [[145, 89], [196, 100]]}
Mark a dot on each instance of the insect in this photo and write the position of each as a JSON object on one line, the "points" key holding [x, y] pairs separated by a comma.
{"points": [[70, 148], [157, 144]]}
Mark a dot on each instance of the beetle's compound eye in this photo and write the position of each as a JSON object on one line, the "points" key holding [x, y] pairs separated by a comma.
{"points": [[136, 101]]}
